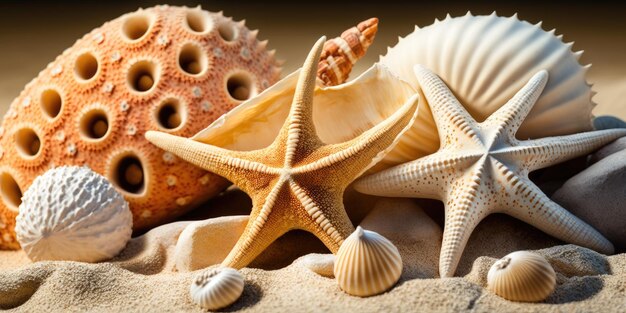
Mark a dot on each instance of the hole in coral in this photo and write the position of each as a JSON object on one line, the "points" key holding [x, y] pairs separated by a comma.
{"points": [[240, 86], [128, 174], [51, 103], [136, 26], [94, 124], [142, 76], [86, 66], [10, 191], [171, 114], [197, 21], [227, 31], [191, 59], [28, 142]]}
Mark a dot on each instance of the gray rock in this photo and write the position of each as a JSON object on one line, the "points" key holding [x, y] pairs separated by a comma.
{"points": [[608, 122], [615, 146], [597, 195]]}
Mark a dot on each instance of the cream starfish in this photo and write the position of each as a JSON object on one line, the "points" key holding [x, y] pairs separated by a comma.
{"points": [[481, 168], [297, 182]]}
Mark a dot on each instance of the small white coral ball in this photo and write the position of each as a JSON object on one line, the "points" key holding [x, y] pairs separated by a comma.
{"points": [[72, 213]]}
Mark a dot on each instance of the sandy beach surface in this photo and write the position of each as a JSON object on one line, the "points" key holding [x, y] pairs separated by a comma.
{"points": [[144, 278]]}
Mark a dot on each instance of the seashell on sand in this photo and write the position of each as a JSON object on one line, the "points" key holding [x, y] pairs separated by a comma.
{"points": [[367, 264], [485, 60], [522, 276], [72, 213], [217, 288], [173, 69]]}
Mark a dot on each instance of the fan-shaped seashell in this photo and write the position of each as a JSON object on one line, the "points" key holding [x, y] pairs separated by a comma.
{"points": [[485, 60], [72, 213], [522, 276], [172, 69], [367, 264], [217, 288]]}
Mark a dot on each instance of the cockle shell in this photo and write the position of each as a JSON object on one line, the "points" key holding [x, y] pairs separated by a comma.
{"points": [[485, 60], [342, 52], [72, 213], [217, 288], [522, 276], [173, 69], [367, 264]]}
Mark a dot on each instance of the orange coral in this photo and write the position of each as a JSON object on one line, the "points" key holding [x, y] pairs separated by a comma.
{"points": [[173, 69]]}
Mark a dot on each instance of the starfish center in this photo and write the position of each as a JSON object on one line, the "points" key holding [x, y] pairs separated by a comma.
{"points": [[285, 174]]}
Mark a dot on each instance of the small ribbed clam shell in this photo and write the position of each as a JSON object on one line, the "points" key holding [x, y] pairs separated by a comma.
{"points": [[217, 288], [522, 276], [367, 264]]}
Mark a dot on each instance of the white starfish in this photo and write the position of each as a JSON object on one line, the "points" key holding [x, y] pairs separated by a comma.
{"points": [[481, 168]]}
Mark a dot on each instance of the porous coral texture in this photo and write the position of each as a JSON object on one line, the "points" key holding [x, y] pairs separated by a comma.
{"points": [[173, 69]]}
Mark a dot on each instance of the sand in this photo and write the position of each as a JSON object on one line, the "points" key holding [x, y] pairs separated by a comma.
{"points": [[143, 278]]}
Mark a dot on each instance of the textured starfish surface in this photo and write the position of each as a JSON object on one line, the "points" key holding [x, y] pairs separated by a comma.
{"points": [[298, 181], [481, 168]]}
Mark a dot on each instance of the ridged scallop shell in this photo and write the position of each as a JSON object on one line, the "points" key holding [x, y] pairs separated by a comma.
{"points": [[89, 107], [217, 288], [522, 276], [367, 264], [72, 213], [485, 60]]}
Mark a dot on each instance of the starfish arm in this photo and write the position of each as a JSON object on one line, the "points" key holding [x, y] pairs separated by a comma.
{"points": [[449, 114], [277, 213], [326, 216], [465, 208], [426, 177], [544, 152], [355, 156], [299, 131], [211, 158], [508, 118], [262, 229], [529, 204]]}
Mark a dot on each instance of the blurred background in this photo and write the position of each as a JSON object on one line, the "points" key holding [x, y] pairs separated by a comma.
{"points": [[33, 33]]}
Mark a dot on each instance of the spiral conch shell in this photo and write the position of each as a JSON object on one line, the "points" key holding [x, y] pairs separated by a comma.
{"points": [[217, 288], [342, 52], [522, 276], [367, 264], [485, 60], [173, 69]]}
